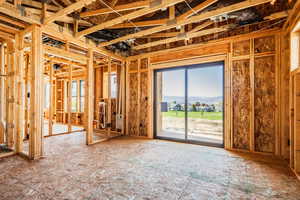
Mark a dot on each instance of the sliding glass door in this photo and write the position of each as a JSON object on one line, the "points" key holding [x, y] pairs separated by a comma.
{"points": [[170, 95], [189, 104]]}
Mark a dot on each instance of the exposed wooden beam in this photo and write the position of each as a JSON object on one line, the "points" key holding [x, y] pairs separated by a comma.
{"points": [[71, 8], [89, 99], [63, 61], [201, 26], [277, 15], [64, 35], [112, 5], [64, 18], [69, 99], [181, 36], [11, 21], [10, 10], [8, 29], [61, 53], [154, 6], [193, 19], [146, 23], [36, 96], [198, 8], [120, 8], [36, 4], [162, 35]]}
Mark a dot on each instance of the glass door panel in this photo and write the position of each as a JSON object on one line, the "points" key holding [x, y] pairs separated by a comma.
{"points": [[170, 103], [205, 103]]}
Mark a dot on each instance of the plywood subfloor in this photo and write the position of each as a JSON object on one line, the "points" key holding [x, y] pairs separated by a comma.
{"points": [[126, 168]]}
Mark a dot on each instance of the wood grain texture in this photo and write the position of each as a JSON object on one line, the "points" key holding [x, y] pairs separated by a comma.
{"points": [[133, 65], [133, 104], [241, 48], [264, 44], [264, 103], [144, 63], [144, 104], [241, 104]]}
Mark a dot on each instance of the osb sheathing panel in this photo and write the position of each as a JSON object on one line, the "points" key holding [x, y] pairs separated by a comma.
{"points": [[264, 103], [133, 104], [241, 48], [144, 63], [144, 105], [241, 100], [133, 65], [264, 44]]}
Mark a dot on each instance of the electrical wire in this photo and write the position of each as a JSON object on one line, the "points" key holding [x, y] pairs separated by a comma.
{"points": [[187, 3], [131, 22]]}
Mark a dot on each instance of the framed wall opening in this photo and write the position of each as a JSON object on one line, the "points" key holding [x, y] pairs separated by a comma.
{"points": [[188, 104]]}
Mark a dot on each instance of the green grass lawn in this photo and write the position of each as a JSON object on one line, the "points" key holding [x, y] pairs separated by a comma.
{"points": [[200, 115]]}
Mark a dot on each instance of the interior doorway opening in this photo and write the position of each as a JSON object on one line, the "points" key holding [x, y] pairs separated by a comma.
{"points": [[189, 104]]}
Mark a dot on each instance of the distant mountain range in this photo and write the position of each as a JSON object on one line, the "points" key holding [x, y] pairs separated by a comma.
{"points": [[207, 100]]}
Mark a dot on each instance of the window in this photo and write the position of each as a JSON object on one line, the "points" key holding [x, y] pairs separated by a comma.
{"points": [[113, 85], [81, 83], [74, 96]]}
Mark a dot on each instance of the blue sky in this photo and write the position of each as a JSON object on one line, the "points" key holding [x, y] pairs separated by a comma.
{"points": [[203, 81]]}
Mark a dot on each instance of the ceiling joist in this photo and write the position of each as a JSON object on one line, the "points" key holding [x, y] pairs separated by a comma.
{"points": [[193, 19], [182, 36], [153, 6], [71, 8], [120, 8]]}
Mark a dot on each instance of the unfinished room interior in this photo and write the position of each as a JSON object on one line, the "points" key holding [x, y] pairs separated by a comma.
{"points": [[150, 99]]}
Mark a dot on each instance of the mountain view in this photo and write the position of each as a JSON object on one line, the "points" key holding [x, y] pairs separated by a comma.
{"points": [[207, 100]]}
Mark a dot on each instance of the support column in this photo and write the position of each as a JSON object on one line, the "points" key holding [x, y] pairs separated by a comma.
{"points": [[109, 113], [50, 123], [36, 91], [70, 99], [2, 93], [20, 100], [89, 101], [10, 97]]}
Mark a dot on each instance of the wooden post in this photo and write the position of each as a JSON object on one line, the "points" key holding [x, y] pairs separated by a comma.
{"points": [[109, 110], [89, 92], [2, 93], [123, 90], [36, 104], [252, 86], [10, 126], [50, 128], [70, 100], [138, 121], [20, 104], [26, 97]]}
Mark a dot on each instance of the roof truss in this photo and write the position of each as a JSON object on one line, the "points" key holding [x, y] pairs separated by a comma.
{"points": [[152, 7], [194, 19]]}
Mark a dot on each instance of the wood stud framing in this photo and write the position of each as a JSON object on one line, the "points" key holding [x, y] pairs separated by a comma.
{"points": [[256, 73]]}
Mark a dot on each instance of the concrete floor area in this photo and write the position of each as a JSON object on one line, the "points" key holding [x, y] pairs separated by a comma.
{"points": [[140, 169]]}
